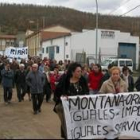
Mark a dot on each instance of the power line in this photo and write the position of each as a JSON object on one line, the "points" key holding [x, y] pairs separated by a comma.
{"points": [[130, 10], [119, 7]]}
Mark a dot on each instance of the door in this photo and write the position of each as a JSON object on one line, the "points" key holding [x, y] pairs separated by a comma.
{"points": [[51, 52], [127, 50]]}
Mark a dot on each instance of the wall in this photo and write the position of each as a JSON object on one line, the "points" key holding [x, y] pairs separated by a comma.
{"points": [[108, 42], [64, 48]]}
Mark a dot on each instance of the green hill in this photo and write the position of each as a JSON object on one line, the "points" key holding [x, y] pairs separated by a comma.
{"points": [[15, 18]]}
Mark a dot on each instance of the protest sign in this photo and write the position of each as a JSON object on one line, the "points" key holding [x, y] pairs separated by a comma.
{"points": [[16, 52], [102, 116]]}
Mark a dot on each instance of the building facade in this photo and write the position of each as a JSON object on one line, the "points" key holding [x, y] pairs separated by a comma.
{"points": [[35, 39], [7, 41], [111, 43]]}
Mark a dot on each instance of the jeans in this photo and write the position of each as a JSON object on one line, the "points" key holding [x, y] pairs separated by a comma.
{"points": [[21, 90], [60, 112], [37, 100], [7, 93]]}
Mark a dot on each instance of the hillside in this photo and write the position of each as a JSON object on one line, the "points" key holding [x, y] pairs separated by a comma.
{"points": [[15, 18]]}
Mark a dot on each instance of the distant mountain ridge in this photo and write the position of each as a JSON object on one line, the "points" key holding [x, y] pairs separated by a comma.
{"points": [[15, 18]]}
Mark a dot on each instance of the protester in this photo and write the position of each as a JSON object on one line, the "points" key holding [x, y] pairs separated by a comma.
{"points": [[36, 81], [1, 68], [54, 77], [70, 84], [106, 76], [114, 84], [41, 67], [137, 84], [127, 78], [7, 82], [85, 73], [14, 66], [29, 68], [47, 87], [20, 80], [95, 77]]}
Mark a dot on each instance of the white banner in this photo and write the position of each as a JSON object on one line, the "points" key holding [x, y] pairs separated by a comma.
{"points": [[102, 116], [16, 52]]}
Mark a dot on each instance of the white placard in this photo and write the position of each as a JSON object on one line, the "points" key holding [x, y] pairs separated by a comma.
{"points": [[102, 116], [17, 52]]}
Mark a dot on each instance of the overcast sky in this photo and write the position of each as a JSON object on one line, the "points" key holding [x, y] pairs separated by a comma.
{"points": [[116, 7]]}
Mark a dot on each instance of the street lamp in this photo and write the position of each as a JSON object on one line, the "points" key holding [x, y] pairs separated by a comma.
{"points": [[96, 55]]}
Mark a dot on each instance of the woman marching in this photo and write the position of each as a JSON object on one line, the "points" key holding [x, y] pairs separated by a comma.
{"points": [[70, 84], [114, 84]]}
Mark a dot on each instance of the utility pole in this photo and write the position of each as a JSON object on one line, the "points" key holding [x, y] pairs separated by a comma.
{"points": [[37, 25], [96, 32], [43, 18]]}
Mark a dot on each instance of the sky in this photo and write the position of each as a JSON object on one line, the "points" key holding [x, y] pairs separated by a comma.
{"points": [[113, 7]]}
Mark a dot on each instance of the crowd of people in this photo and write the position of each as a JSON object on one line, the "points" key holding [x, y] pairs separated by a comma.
{"points": [[44, 79]]}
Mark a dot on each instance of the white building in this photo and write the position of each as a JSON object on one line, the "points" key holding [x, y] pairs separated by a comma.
{"points": [[111, 43]]}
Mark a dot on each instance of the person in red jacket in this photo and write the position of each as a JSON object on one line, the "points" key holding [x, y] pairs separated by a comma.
{"points": [[54, 77], [95, 77]]}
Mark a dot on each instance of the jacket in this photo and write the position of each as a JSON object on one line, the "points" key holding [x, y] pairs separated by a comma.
{"points": [[108, 87], [7, 78], [137, 84], [36, 82], [95, 80], [64, 84], [20, 77], [130, 83]]}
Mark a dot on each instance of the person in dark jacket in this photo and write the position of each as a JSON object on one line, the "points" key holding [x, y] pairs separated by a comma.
{"points": [[7, 82], [106, 76], [127, 78], [20, 80], [70, 84], [1, 68], [47, 88], [137, 84], [36, 81]]}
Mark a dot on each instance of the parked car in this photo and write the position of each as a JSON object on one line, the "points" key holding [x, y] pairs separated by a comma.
{"points": [[119, 62]]}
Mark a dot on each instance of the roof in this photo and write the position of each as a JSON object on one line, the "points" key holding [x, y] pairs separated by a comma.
{"points": [[58, 25], [7, 37], [52, 35], [47, 30]]}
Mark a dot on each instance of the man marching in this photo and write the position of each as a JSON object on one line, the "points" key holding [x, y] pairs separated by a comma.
{"points": [[36, 81]]}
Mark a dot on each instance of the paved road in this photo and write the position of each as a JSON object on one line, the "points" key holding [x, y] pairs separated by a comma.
{"points": [[17, 120]]}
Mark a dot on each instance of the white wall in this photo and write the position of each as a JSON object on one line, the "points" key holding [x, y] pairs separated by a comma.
{"points": [[108, 46], [86, 41], [64, 49]]}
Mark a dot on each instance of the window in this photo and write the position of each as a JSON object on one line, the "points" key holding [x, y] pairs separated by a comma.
{"points": [[115, 63], [67, 56], [47, 49], [128, 63], [3, 42], [57, 49], [66, 43], [42, 50], [7, 43], [122, 63]]}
